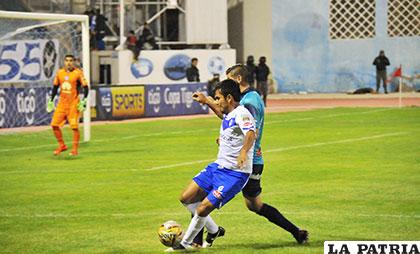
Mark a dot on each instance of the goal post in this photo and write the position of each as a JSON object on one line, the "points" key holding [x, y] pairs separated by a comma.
{"points": [[32, 48]]}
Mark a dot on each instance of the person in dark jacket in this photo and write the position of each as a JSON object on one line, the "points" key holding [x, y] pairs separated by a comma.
{"points": [[261, 75], [193, 74], [146, 39], [381, 62], [251, 67], [100, 29], [211, 85]]}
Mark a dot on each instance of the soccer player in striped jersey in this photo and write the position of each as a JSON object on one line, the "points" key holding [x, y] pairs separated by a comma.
{"points": [[252, 191], [220, 181]]}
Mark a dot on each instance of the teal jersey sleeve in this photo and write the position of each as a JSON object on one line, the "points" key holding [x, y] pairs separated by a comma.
{"points": [[253, 102]]}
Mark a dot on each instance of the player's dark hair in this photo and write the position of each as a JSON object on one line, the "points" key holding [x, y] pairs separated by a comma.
{"points": [[231, 87], [238, 69], [194, 59], [69, 55]]}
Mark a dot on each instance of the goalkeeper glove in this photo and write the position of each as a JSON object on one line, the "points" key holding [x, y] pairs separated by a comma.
{"points": [[50, 106], [82, 105]]}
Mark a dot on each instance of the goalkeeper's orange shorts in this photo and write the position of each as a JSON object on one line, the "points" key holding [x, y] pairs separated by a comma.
{"points": [[66, 112]]}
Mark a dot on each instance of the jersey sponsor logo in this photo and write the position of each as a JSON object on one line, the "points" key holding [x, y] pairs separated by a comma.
{"points": [[66, 87], [175, 67], [216, 65], [142, 68], [28, 60], [219, 192], [248, 124]]}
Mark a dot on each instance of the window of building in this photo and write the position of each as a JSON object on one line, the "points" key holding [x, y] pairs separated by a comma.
{"points": [[403, 18], [351, 19]]}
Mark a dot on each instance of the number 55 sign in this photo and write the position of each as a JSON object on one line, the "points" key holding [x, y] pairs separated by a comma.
{"points": [[28, 60]]}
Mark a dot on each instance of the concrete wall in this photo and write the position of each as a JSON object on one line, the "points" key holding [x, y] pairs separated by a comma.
{"points": [[305, 59], [250, 29]]}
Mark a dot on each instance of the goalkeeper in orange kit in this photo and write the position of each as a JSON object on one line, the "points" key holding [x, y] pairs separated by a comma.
{"points": [[69, 79]]}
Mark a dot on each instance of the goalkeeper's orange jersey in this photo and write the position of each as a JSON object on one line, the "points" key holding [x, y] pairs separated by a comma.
{"points": [[69, 82]]}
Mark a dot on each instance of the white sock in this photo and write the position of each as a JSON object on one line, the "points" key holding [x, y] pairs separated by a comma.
{"points": [[197, 223], [211, 226], [192, 207]]}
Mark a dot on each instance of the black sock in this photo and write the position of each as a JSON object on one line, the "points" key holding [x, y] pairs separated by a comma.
{"points": [[273, 215], [198, 239]]}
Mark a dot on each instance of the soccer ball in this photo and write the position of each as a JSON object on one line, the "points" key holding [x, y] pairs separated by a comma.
{"points": [[216, 65], [170, 233]]}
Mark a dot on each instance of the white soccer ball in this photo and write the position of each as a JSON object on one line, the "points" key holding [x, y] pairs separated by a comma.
{"points": [[216, 65], [170, 233]]}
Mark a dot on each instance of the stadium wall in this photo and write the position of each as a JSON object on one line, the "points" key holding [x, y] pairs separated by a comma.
{"points": [[169, 66], [306, 59], [249, 28]]}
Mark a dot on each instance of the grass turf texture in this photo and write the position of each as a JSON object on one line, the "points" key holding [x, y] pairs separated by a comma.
{"points": [[343, 174]]}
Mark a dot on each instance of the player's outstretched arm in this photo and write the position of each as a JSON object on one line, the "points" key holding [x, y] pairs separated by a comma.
{"points": [[248, 143], [201, 98]]}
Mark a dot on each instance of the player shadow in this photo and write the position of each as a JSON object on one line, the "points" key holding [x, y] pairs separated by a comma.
{"points": [[268, 246]]}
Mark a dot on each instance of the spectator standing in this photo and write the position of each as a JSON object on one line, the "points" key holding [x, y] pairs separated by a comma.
{"points": [[100, 29], [211, 85], [251, 67], [193, 74], [261, 75], [92, 25], [381, 62]]}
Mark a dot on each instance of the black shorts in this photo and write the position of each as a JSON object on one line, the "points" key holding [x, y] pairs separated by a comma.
{"points": [[253, 187]]}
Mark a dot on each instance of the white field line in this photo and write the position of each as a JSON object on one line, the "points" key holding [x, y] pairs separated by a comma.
{"points": [[327, 116], [108, 139], [343, 141], [350, 140], [160, 213], [178, 165], [314, 107], [182, 132]]}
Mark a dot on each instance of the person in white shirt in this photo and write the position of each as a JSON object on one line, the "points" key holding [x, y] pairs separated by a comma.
{"points": [[221, 180]]}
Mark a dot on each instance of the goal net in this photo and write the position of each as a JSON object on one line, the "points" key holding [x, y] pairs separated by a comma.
{"points": [[32, 48]]}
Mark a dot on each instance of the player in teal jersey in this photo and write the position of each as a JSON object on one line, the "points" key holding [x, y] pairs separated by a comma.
{"points": [[252, 190]]}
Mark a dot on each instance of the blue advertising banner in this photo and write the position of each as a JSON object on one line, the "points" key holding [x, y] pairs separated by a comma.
{"points": [[24, 107], [170, 100], [103, 103]]}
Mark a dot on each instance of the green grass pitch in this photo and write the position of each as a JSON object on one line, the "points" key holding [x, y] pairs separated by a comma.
{"points": [[342, 174]]}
